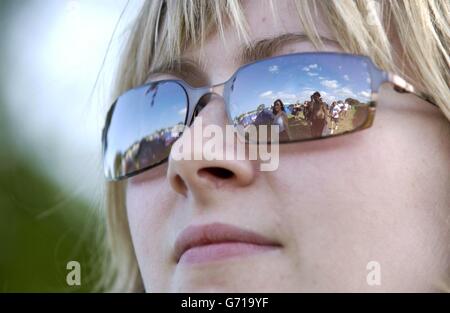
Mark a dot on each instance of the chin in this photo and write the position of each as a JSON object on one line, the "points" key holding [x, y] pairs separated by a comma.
{"points": [[218, 283]]}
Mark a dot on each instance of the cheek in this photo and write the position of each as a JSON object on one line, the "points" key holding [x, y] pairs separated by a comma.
{"points": [[397, 163], [141, 202], [374, 194], [149, 202], [412, 150], [149, 206], [143, 217]]}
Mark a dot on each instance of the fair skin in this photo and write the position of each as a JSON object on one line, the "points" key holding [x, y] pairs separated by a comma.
{"points": [[386, 199]]}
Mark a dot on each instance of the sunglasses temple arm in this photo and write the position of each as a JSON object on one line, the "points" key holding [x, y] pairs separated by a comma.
{"points": [[402, 86]]}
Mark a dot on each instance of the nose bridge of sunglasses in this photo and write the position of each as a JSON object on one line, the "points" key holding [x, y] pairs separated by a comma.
{"points": [[217, 89], [200, 97], [200, 93], [205, 96]]}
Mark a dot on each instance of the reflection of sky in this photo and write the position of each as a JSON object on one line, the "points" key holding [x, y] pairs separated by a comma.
{"points": [[293, 79], [137, 116]]}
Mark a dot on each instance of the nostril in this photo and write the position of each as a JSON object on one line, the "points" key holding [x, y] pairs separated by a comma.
{"points": [[180, 185], [217, 172]]}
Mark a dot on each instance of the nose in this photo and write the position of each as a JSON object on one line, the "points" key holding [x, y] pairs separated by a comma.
{"points": [[197, 174]]}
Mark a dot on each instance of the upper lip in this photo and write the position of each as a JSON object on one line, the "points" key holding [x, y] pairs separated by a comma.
{"points": [[201, 235]]}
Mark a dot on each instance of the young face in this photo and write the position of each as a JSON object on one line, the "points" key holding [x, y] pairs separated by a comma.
{"points": [[277, 107], [330, 208]]}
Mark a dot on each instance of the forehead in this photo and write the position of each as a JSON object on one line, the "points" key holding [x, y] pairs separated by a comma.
{"points": [[265, 21], [219, 58]]}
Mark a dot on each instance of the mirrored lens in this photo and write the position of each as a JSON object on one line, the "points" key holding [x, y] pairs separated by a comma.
{"points": [[306, 95], [142, 126]]}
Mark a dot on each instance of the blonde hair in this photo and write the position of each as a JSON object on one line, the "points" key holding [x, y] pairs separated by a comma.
{"points": [[165, 29]]}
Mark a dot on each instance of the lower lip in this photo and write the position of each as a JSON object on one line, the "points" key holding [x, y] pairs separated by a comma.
{"points": [[220, 251]]}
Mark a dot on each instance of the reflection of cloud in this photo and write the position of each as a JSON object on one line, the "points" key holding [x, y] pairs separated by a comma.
{"points": [[309, 90], [309, 67], [182, 112], [267, 93], [326, 97], [346, 77], [287, 97], [306, 94], [312, 74], [273, 69], [346, 92], [321, 77], [333, 93], [332, 84], [365, 93], [368, 80]]}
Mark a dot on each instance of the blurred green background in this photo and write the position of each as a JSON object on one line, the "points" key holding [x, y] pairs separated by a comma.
{"points": [[50, 178], [41, 227]]}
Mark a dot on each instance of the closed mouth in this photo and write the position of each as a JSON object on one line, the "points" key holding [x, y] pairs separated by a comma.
{"points": [[217, 241]]}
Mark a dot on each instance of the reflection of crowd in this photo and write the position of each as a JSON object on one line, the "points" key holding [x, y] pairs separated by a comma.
{"points": [[275, 116], [313, 111], [317, 114], [338, 110], [149, 149], [280, 118], [312, 118]]}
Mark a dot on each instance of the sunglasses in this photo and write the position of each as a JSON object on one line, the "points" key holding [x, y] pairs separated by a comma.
{"points": [[306, 95]]}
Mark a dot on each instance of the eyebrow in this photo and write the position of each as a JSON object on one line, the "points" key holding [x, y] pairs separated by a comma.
{"points": [[267, 47], [191, 70]]}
